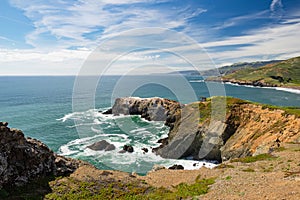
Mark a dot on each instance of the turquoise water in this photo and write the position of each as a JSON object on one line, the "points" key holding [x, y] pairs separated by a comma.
{"points": [[42, 108]]}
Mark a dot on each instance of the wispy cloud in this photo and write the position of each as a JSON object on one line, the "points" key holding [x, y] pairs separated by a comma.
{"points": [[236, 21], [277, 41], [276, 4], [65, 32], [71, 24]]}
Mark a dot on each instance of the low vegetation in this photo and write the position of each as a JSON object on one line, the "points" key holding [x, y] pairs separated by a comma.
{"points": [[69, 188], [250, 159], [285, 73]]}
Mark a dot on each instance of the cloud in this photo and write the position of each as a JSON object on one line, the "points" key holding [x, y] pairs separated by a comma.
{"points": [[236, 21], [274, 42], [33, 62], [61, 24], [276, 4]]}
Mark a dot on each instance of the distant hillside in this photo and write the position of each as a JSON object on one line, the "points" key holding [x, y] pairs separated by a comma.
{"points": [[285, 74], [237, 66], [224, 70]]}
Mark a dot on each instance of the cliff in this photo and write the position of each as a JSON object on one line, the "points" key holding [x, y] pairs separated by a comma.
{"points": [[248, 128], [25, 159]]}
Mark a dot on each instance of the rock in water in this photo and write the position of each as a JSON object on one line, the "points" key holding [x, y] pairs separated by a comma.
{"points": [[152, 109], [110, 147], [108, 112], [102, 145], [128, 148], [145, 150]]}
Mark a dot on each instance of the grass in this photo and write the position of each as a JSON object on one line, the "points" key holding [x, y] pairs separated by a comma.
{"points": [[224, 166], [250, 159], [69, 188], [288, 71], [218, 107], [248, 170]]}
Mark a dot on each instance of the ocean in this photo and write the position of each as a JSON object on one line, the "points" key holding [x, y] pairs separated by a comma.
{"points": [[42, 108]]}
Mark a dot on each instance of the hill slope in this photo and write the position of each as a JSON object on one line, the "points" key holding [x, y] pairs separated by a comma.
{"points": [[283, 74], [225, 70]]}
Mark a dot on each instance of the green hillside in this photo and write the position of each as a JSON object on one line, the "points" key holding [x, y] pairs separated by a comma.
{"points": [[285, 73]]}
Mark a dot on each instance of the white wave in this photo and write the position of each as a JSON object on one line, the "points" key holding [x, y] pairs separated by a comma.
{"points": [[67, 116], [288, 90], [291, 90], [196, 81], [65, 151], [137, 130], [96, 130]]}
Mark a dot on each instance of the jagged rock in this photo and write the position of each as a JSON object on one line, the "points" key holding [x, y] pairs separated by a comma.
{"points": [[176, 167], [152, 109], [128, 148], [145, 150], [23, 160], [108, 112], [102, 145], [246, 130], [3, 124]]}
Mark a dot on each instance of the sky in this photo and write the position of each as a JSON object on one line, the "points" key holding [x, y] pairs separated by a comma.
{"points": [[58, 37]]}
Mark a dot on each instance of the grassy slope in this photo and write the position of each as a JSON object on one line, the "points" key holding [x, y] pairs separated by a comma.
{"points": [[289, 70]]}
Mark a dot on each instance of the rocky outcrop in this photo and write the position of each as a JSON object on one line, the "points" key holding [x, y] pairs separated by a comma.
{"points": [[24, 159], [152, 109], [256, 83], [247, 128], [102, 145]]}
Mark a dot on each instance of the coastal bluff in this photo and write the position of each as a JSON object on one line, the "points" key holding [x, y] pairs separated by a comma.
{"points": [[248, 128], [24, 159]]}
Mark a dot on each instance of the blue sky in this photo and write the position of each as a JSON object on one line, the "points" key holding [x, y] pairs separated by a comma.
{"points": [[56, 37]]}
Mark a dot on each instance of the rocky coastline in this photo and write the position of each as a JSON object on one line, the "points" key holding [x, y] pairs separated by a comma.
{"points": [[256, 83], [248, 129], [267, 136]]}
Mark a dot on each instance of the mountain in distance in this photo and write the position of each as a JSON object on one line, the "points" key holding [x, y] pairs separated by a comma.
{"points": [[228, 69], [282, 74]]}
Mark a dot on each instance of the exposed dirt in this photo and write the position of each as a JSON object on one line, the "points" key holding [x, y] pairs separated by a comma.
{"points": [[278, 178]]}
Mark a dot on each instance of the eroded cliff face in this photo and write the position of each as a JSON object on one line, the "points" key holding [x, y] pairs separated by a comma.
{"points": [[247, 128], [24, 159], [259, 130]]}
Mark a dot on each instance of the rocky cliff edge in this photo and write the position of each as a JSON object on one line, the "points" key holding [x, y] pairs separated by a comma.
{"points": [[247, 129], [25, 159]]}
